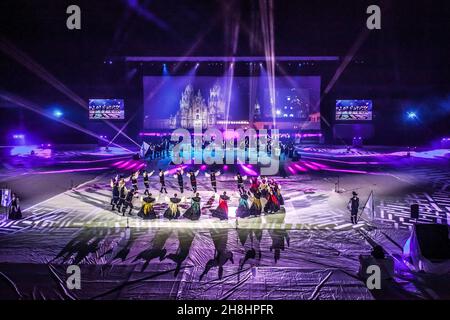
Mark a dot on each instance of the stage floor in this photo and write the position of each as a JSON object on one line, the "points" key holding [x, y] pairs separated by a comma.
{"points": [[309, 204], [309, 252]]}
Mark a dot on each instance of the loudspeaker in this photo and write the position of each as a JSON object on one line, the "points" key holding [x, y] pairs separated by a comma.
{"points": [[414, 211]]}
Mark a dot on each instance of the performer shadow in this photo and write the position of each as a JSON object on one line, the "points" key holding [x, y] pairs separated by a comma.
{"points": [[245, 234], [278, 236], [94, 188], [185, 239], [221, 254], [252, 256], [157, 249], [86, 242], [122, 249], [87, 199]]}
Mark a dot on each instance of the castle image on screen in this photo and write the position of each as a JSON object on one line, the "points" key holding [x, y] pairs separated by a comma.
{"points": [[206, 101]]}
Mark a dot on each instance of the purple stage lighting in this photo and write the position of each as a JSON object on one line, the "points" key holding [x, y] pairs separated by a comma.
{"points": [[248, 171]]}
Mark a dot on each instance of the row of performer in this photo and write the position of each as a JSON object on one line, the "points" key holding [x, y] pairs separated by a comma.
{"points": [[261, 188], [179, 176]]}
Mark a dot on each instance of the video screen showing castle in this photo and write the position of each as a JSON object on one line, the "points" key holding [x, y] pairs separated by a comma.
{"points": [[190, 102]]}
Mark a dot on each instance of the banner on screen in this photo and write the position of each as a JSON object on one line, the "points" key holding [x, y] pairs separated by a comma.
{"points": [[106, 109], [353, 110]]}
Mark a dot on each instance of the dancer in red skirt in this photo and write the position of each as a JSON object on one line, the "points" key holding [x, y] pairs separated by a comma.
{"points": [[221, 211]]}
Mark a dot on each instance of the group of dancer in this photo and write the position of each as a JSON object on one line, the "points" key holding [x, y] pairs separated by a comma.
{"points": [[264, 195], [261, 189]]}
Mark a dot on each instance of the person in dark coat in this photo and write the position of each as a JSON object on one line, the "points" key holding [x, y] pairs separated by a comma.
{"points": [[240, 182], [193, 177], [162, 180], [221, 211], [122, 194], [115, 194], [128, 204], [353, 206], [134, 180], [146, 175], [14, 212], [212, 175], [179, 177], [193, 212]]}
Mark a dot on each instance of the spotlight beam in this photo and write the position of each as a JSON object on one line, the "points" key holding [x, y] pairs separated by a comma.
{"points": [[267, 26], [185, 57], [123, 127], [232, 27], [31, 106], [364, 33], [10, 50], [147, 15]]}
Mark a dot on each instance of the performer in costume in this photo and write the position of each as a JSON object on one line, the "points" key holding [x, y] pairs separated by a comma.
{"points": [[134, 180], [115, 193], [353, 206], [193, 212], [162, 180], [240, 182], [128, 202], [272, 204], [255, 185], [179, 177], [213, 175], [147, 211], [146, 177], [277, 191], [256, 207], [172, 211], [193, 177], [221, 211], [243, 210], [122, 194], [263, 187], [14, 212]]}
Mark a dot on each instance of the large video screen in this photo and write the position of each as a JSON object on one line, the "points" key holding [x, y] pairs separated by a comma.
{"points": [[189, 101], [106, 109], [353, 110]]}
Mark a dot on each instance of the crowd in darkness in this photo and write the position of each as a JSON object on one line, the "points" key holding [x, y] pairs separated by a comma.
{"points": [[160, 147]]}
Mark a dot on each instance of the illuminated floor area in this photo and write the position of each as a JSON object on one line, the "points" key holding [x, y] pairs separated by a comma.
{"points": [[309, 252], [308, 205], [310, 202]]}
